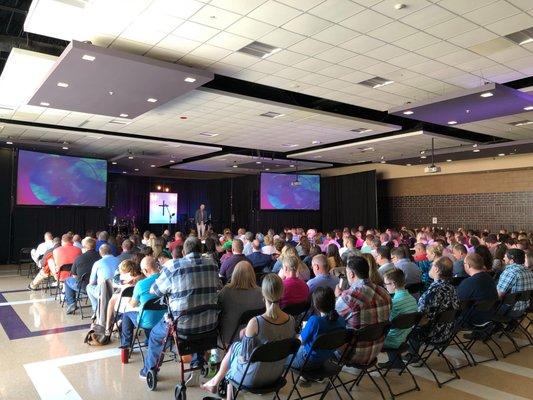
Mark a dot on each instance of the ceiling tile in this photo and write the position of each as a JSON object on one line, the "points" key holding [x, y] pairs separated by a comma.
{"points": [[240, 60], [335, 71], [181, 9], [428, 17], [366, 21], [164, 54], [387, 8], [281, 38], [178, 44], [242, 7], [335, 55], [362, 44], [287, 57], [312, 64], [274, 13], [511, 24], [309, 47], [471, 38], [386, 52], [416, 41], [210, 52], [336, 34], [306, 24], [193, 31], [359, 62], [267, 67], [492, 13], [130, 46], [215, 17], [336, 10], [137, 33], [452, 27], [250, 28], [407, 60], [462, 7], [396, 30], [303, 5], [438, 49], [229, 41], [291, 73]]}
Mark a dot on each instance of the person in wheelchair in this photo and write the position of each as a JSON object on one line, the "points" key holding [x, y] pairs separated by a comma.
{"points": [[273, 325], [190, 282]]}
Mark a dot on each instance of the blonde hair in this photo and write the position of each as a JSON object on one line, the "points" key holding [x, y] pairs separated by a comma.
{"points": [[268, 240], [272, 289], [291, 262], [436, 249], [126, 266], [243, 277], [373, 273]]}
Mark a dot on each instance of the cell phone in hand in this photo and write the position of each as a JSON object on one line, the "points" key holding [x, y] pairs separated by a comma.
{"points": [[341, 283]]}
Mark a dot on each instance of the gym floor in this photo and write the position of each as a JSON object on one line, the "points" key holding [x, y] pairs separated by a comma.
{"points": [[44, 357]]}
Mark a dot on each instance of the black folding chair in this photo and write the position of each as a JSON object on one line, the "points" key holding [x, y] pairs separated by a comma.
{"points": [[243, 320], [33, 268], [503, 321], [371, 333], [276, 351], [81, 293], [402, 321], [126, 292], [24, 258], [430, 346], [299, 312], [156, 304], [329, 370], [62, 274]]}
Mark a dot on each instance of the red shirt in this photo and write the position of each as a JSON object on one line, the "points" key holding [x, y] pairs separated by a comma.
{"points": [[172, 245], [420, 257], [294, 291], [66, 254]]}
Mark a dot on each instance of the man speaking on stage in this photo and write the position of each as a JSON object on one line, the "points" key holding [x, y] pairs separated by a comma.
{"points": [[200, 218]]}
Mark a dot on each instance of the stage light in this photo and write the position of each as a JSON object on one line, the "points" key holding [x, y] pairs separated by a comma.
{"points": [[167, 190], [158, 187]]}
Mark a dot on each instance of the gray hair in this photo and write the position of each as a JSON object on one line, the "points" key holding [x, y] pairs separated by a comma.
{"points": [[191, 245], [104, 249]]}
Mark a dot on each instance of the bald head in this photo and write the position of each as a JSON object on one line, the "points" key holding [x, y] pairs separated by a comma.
{"points": [[148, 265], [48, 236], [319, 264]]}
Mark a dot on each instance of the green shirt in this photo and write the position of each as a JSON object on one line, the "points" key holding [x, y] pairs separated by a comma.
{"points": [[402, 303]]}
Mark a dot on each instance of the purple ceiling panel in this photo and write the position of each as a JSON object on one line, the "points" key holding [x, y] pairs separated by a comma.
{"points": [[468, 106], [97, 80]]}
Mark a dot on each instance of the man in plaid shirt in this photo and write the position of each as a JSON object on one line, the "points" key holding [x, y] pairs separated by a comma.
{"points": [[190, 282], [362, 304], [515, 278]]}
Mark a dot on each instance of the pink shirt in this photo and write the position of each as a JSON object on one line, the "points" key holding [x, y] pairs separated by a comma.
{"points": [[294, 291]]}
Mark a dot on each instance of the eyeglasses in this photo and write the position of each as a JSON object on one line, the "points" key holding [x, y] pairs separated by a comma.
{"points": [[388, 283]]}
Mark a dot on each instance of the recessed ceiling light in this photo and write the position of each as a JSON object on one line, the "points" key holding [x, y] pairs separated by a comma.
{"points": [[190, 79], [474, 145], [64, 148], [136, 169], [292, 165], [521, 123], [476, 150], [423, 152], [111, 93], [124, 115], [383, 162], [62, 84], [114, 163], [528, 108], [88, 57], [487, 94], [9, 142], [316, 142], [151, 100], [235, 166], [267, 169], [452, 122], [449, 160], [258, 162], [152, 166], [423, 156], [44, 103], [407, 165], [501, 154], [408, 112], [130, 157], [123, 172], [525, 41], [172, 161]]}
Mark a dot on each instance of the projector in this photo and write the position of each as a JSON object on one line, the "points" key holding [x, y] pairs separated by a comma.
{"points": [[432, 169], [296, 183]]}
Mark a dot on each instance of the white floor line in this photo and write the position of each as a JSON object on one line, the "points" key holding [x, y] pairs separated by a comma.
{"points": [[501, 365], [50, 382], [14, 303]]}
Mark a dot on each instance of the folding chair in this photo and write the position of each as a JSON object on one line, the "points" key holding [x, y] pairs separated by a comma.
{"points": [[502, 321], [415, 288], [243, 320], [299, 312], [402, 321], [24, 258], [62, 274], [126, 292], [270, 352], [81, 293], [156, 304], [33, 268], [331, 368], [430, 347], [370, 333]]}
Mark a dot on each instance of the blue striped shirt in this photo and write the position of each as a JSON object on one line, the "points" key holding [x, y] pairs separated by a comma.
{"points": [[191, 281]]}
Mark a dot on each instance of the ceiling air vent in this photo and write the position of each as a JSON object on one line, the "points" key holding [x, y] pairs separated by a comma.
{"points": [[376, 82], [521, 37], [258, 49], [271, 114], [521, 123]]}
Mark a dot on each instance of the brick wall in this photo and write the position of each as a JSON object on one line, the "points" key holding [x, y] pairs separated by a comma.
{"points": [[493, 200]]}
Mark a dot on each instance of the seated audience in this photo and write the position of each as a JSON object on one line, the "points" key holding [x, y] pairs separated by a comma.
{"points": [[410, 269], [485, 253], [497, 263], [402, 303], [81, 266], [63, 255], [289, 239], [247, 242], [273, 325], [383, 260], [141, 294], [226, 269], [349, 250], [515, 278], [103, 238], [335, 264], [367, 246], [327, 320], [260, 261], [373, 273], [313, 251], [433, 251], [37, 253], [268, 248], [210, 249], [178, 241], [459, 253], [240, 295], [127, 251], [441, 296], [420, 252], [303, 247], [478, 286], [295, 290], [46, 261], [362, 304], [190, 282], [102, 270], [287, 252], [322, 276], [76, 241]]}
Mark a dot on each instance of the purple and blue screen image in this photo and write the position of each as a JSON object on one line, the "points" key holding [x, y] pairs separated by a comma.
{"points": [[162, 206], [54, 180], [278, 192]]}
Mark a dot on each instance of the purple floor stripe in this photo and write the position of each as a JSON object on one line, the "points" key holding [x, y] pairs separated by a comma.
{"points": [[15, 328]]}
